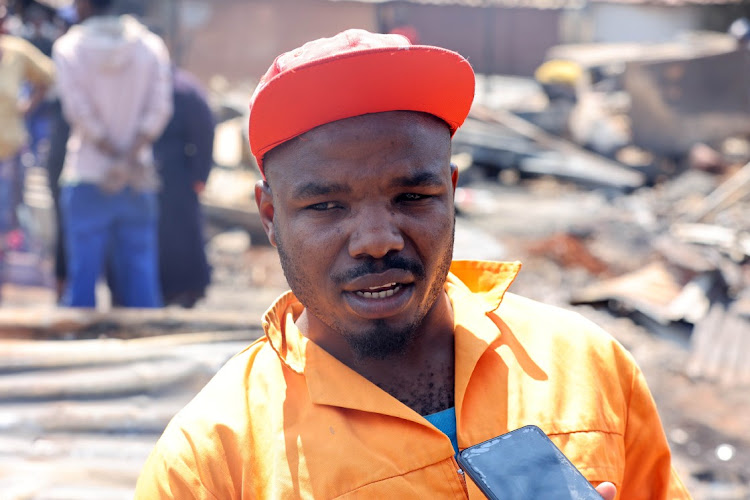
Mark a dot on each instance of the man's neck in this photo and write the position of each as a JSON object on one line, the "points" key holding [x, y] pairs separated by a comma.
{"points": [[424, 383], [422, 376]]}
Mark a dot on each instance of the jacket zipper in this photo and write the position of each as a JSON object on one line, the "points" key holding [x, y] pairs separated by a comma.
{"points": [[461, 476]]}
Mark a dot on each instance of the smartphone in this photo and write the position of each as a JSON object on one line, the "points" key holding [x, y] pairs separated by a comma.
{"points": [[524, 464]]}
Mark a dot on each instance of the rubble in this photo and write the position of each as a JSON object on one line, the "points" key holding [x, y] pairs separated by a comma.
{"points": [[667, 256], [502, 140], [667, 150]]}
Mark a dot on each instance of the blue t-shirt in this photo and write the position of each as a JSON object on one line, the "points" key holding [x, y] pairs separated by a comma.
{"points": [[445, 421]]}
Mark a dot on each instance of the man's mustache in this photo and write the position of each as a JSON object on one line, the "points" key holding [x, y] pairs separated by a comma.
{"points": [[377, 266]]}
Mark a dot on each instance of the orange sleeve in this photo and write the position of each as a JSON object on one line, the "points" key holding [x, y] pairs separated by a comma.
{"points": [[648, 468], [166, 478]]}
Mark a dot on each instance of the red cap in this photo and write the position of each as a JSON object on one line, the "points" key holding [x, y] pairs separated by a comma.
{"points": [[355, 73]]}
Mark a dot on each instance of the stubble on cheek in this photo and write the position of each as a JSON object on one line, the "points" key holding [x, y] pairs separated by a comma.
{"points": [[296, 263]]}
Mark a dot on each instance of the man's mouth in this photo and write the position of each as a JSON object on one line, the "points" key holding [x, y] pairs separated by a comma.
{"points": [[381, 300], [380, 295], [379, 292]]}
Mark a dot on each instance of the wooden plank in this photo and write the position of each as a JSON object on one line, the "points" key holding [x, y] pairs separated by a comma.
{"points": [[125, 415], [71, 323], [733, 242], [108, 381], [86, 466], [26, 355], [719, 347], [735, 340], [54, 445], [732, 190], [690, 257], [649, 290]]}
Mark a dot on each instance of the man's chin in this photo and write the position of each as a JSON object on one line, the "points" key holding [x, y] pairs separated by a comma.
{"points": [[380, 341]]}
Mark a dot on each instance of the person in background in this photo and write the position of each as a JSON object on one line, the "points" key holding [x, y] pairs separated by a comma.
{"points": [[39, 28], [115, 88], [559, 78], [20, 64], [54, 161], [184, 156], [388, 357], [59, 132], [41, 32]]}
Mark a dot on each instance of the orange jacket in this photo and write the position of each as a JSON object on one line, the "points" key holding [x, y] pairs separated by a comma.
{"points": [[284, 419]]}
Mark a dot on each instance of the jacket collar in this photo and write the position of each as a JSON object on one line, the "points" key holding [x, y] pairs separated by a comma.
{"points": [[475, 289]]}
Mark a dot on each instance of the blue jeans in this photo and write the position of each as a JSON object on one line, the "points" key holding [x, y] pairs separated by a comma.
{"points": [[114, 230], [7, 170], [10, 197], [39, 126]]}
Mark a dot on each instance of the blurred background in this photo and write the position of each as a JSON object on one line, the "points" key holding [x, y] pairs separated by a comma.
{"points": [[607, 149]]}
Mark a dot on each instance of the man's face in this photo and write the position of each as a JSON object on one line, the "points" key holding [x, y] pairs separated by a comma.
{"points": [[361, 211]]}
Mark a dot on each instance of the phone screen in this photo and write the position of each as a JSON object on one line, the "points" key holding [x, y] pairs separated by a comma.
{"points": [[524, 464]]}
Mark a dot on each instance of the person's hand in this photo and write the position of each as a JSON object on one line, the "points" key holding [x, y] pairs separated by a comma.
{"points": [[24, 107], [141, 141], [199, 186], [607, 491], [105, 146]]}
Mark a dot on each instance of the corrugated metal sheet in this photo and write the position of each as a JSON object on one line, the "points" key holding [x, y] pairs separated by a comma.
{"points": [[677, 103]]}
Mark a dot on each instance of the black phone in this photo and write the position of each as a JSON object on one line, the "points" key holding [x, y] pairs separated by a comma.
{"points": [[524, 464]]}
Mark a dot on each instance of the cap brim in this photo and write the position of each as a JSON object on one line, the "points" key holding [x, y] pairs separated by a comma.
{"points": [[413, 78]]}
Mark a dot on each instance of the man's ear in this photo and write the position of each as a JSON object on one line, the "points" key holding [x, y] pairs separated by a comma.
{"points": [[454, 175], [264, 200]]}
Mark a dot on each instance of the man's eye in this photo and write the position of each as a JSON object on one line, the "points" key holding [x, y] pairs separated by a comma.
{"points": [[323, 206], [413, 197]]}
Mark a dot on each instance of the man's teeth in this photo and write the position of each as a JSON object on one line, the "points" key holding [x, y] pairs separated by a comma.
{"points": [[392, 288]]}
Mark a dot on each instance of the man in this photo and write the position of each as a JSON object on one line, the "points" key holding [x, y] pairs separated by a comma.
{"points": [[386, 357], [21, 65], [184, 154], [39, 31], [115, 89]]}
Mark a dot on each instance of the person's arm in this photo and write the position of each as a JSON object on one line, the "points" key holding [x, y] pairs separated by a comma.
{"points": [[141, 141], [38, 91], [161, 479], [648, 467], [76, 106], [199, 141], [158, 108], [172, 471], [39, 72]]}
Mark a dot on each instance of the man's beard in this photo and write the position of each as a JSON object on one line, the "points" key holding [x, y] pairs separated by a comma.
{"points": [[380, 340]]}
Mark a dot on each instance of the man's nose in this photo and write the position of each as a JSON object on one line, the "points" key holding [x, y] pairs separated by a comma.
{"points": [[374, 234]]}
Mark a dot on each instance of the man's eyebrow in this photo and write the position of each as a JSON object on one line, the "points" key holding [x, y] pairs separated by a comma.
{"points": [[314, 189], [419, 179]]}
